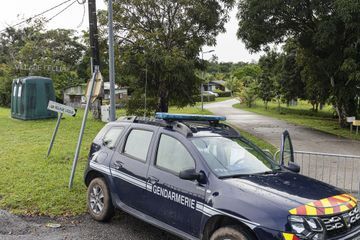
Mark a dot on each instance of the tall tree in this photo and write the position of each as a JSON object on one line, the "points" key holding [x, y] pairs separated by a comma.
{"points": [[269, 65], [328, 29], [163, 39], [34, 51], [291, 84], [247, 73]]}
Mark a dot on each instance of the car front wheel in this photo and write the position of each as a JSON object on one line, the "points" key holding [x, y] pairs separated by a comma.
{"points": [[99, 201], [231, 233]]}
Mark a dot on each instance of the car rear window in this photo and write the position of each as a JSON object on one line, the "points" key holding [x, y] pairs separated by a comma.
{"points": [[111, 137], [137, 144]]}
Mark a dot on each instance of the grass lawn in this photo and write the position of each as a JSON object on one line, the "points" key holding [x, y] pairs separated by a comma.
{"points": [[221, 99], [304, 116]]}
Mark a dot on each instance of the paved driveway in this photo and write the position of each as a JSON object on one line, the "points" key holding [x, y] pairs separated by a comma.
{"points": [[270, 129]]}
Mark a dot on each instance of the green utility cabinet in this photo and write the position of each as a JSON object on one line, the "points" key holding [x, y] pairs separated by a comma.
{"points": [[30, 97]]}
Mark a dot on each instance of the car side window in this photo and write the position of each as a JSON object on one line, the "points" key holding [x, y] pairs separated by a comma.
{"points": [[173, 156], [137, 144], [109, 140]]}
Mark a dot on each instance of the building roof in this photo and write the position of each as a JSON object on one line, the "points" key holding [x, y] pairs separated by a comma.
{"points": [[219, 82]]}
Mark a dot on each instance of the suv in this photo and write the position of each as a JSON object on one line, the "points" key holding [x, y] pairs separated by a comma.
{"points": [[200, 179]]}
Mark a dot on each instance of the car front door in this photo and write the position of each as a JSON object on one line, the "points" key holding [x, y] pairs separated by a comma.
{"points": [[173, 200], [129, 166]]}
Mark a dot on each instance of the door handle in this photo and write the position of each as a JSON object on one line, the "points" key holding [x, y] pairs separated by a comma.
{"points": [[153, 180], [118, 165]]}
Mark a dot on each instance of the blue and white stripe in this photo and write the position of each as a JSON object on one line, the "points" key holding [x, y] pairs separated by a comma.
{"points": [[200, 207]]}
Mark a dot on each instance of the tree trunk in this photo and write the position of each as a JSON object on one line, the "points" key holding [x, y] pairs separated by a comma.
{"points": [[340, 109], [279, 107], [163, 105]]}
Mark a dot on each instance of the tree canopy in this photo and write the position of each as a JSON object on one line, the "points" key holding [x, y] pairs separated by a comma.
{"points": [[160, 42], [326, 32], [32, 50]]}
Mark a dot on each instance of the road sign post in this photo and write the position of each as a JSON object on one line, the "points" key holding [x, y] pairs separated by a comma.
{"points": [[60, 109], [88, 102]]}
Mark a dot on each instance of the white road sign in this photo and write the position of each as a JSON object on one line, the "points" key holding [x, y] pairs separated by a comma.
{"points": [[61, 108]]}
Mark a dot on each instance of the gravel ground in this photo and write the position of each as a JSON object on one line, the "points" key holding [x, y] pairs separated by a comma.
{"points": [[123, 226]]}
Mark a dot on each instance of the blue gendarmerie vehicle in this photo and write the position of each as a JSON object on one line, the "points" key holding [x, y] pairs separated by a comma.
{"points": [[200, 179]]}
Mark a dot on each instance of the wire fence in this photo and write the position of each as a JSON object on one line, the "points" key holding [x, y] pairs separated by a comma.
{"points": [[342, 171]]}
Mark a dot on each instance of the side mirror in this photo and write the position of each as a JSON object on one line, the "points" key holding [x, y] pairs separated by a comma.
{"points": [[293, 167], [191, 174]]}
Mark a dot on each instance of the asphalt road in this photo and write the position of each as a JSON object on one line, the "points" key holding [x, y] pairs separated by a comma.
{"points": [[123, 226], [270, 129]]}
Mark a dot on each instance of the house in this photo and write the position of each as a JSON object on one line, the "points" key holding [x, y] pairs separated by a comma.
{"points": [[120, 92], [75, 96], [216, 85]]}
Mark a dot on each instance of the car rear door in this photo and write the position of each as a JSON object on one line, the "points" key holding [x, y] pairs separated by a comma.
{"points": [[172, 200], [129, 165]]}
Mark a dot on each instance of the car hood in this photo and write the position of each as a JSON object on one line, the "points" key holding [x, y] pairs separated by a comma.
{"points": [[270, 198], [286, 188]]}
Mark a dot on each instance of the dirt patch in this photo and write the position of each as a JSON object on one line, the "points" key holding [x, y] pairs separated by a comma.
{"points": [[11, 224]]}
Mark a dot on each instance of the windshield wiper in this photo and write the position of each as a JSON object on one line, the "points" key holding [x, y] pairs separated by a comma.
{"points": [[235, 176], [267, 172]]}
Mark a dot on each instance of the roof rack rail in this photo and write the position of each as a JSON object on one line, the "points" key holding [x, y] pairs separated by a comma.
{"points": [[174, 125]]}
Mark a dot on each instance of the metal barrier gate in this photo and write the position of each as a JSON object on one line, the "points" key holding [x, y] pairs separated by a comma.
{"points": [[342, 171]]}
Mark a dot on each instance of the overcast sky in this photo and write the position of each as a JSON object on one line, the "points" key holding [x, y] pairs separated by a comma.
{"points": [[228, 49]]}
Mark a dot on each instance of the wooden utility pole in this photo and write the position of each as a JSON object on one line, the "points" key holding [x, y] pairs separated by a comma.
{"points": [[93, 31], [94, 46]]}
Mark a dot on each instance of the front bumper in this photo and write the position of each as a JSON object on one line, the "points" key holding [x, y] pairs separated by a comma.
{"points": [[269, 234], [353, 234]]}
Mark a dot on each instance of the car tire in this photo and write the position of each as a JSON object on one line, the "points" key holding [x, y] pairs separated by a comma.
{"points": [[99, 202], [231, 233]]}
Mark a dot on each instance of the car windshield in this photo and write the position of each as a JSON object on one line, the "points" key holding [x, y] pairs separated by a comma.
{"points": [[231, 157]]}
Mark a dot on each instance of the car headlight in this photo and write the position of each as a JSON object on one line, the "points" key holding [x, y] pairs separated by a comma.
{"points": [[307, 227]]}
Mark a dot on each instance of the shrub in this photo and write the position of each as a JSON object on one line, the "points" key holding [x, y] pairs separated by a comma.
{"points": [[223, 93]]}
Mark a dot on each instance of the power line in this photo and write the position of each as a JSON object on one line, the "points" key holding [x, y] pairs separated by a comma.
{"points": [[63, 10], [42, 13], [83, 16]]}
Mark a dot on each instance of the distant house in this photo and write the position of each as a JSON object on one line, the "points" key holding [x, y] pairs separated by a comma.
{"points": [[216, 85], [75, 96], [120, 92]]}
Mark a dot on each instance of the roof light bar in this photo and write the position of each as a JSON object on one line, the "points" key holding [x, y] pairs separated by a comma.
{"points": [[188, 117]]}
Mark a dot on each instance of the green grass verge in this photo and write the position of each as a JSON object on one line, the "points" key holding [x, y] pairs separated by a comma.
{"points": [[221, 99], [303, 115], [258, 141], [31, 184]]}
